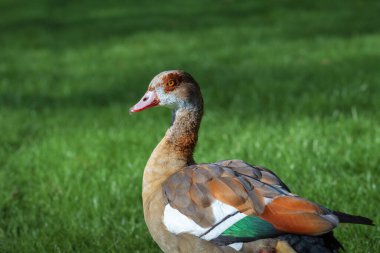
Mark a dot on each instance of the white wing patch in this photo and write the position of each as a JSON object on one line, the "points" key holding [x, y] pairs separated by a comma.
{"points": [[220, 211], [177, 223], [267, 200], [237, 246]]}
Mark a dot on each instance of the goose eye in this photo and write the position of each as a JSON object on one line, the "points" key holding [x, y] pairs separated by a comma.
{"points": [[171, 83]]}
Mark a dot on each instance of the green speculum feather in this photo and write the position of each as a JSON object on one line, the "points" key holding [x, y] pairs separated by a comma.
{"points": [[251, 227]]}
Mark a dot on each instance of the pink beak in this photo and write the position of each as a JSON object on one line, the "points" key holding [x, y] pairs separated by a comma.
{"points": [[150, 99]]}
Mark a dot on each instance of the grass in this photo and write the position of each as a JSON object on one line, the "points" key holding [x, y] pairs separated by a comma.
{"points": [[294, 86]]}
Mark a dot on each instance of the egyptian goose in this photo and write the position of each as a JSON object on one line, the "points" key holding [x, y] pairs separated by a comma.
{"points": [[226, 206]]}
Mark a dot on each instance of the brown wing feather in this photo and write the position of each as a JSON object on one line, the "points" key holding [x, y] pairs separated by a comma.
{"points": [[229, 190], [263, 174], [298, 216], [194, 188], [250, 189]]}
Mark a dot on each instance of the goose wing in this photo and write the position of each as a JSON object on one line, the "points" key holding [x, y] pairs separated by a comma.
{"points": [[231, 201]]}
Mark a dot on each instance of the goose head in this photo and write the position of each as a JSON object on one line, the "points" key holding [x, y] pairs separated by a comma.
{"points": [[175, 89]]}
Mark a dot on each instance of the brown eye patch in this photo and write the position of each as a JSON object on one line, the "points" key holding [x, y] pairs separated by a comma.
{"points": [[171, 81]]}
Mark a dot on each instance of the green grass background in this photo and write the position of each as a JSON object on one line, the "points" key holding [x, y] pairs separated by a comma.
{"points": [[290, 85]]}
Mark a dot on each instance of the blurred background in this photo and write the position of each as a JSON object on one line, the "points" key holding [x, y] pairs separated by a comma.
{"points": [[290, 85]]}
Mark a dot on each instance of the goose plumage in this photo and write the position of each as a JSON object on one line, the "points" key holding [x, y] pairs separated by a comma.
{"points": [[226, 206]]}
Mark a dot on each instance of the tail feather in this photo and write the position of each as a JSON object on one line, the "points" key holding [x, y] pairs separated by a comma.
{"points": [[348, 218]]}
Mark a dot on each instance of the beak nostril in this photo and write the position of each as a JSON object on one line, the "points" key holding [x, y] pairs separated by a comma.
{"points": [[148, 100]]}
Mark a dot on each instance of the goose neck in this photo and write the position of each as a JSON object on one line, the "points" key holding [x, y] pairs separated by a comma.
{"points": [[182, 136]]}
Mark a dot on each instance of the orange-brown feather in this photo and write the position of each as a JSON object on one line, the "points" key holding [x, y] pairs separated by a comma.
{"points": [[296, 215], [222, 190], [229, 191]]}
